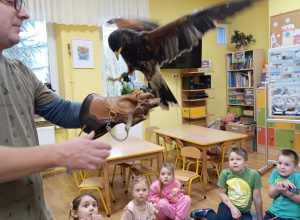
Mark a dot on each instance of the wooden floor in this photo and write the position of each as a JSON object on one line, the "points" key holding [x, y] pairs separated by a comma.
{"points": [[60, 190]]}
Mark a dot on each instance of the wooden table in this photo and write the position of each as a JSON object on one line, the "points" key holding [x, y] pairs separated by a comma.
{"points": [[129, 150], [200, 137]]}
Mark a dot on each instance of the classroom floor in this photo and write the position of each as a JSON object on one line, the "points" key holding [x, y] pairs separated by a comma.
{"points": [[60, 190]]}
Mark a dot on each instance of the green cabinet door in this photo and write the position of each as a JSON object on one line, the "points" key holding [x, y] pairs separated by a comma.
{"points": [[284, 139], [261, 118], [297, 126]]}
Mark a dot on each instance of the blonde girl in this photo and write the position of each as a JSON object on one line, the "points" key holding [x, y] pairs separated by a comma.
{"points": [[139, 207], [85, 207], [168, 196]]}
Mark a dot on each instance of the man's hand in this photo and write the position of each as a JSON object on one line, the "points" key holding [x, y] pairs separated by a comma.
{"points": [[82, 153]]}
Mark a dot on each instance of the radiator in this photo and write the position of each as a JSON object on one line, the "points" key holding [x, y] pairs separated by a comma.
{"points": [[46, 135]]}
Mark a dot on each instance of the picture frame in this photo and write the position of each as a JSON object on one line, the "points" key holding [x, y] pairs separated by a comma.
{"points": [[83, 53], [238, 57], [205, 65]]}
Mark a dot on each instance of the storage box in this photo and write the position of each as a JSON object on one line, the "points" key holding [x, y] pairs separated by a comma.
{"points": [[249, 91], [238, 110], [240, 128], [246, 118], [248, 144], [249, 103], [248, 112], [193, 112]]}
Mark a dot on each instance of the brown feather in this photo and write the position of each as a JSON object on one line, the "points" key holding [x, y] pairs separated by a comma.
{"points": [[158, 35], [126, 23]]}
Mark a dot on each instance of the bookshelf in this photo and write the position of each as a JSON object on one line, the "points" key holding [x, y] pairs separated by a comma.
{"points": [[243, 74], [194, 95]]}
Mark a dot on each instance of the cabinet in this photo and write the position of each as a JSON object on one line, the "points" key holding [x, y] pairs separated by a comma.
{"points": [[280, 135], [242, 80], [195, 91]]}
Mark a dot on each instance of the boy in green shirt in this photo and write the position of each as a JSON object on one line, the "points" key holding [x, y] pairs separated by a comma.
{"points": [[284, 188], [238, 186]]}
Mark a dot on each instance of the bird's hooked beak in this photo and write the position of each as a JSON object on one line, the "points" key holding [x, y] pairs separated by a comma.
{"points": [[117, 53]]}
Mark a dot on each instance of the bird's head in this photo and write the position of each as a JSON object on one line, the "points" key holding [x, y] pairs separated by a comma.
{"points": [[116, 42]]}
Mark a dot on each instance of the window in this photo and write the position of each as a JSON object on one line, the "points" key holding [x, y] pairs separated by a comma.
{"points": [[222, 30], [114, 68], [37, 50]]}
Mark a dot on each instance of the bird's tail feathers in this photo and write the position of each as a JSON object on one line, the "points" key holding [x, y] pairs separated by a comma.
{"points": [[162, 91]]}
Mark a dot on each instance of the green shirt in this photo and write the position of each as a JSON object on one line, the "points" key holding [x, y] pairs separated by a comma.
{"points": [[240, 187], [281, 205]]}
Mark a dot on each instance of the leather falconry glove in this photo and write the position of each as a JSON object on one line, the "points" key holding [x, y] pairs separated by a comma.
{"points": [[101, 113]]}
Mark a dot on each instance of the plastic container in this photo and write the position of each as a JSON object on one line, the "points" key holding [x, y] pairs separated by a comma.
{"points": [[238, 110], [249, 92]]}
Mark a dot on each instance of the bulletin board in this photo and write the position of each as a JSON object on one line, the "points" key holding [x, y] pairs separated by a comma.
{"points": [[285, 29]]}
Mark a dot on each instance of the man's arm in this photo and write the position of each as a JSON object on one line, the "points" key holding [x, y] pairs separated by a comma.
{"points": [[235, 213], [78, 153], [60, 112], [258, 203]]}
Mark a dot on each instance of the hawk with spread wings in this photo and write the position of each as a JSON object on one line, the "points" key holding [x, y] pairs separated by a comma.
{"points": [[146, 46]]}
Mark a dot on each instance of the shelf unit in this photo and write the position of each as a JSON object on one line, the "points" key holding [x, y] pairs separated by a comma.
{"points": [[194, 109], [242, 80], [280, 135]]}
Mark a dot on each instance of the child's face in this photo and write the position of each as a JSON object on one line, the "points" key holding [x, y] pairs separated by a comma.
{"points": [[166, 176], [140, 192], [86, 208], [237, 163], [285, 166]]}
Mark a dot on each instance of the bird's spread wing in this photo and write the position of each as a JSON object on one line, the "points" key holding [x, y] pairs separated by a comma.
{"points": [[169, 41], [125, 23]]}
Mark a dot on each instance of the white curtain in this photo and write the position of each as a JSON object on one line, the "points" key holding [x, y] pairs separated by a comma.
{"points": [[86, 12]]}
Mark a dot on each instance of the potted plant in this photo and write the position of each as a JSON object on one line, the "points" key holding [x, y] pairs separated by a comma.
{"points": [[241, 40]]}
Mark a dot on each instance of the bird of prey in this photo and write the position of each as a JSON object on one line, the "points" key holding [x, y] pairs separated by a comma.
{"points": [[145, 46]]}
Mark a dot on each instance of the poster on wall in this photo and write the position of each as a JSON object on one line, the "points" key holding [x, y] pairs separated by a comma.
{"points": [[83, 53], [284, 81], [285, 29]]}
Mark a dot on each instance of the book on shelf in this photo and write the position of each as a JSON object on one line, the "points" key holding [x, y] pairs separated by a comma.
{"points": [[246, 64], [240, 79]]}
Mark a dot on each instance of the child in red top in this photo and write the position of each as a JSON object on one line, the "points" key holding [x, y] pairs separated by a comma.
{"points": [[168, 196]]}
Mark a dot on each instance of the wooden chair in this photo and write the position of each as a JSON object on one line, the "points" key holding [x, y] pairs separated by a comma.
{"points": [[124, 166], [91, 183], [186, 175], [84, 173], [178, 160], [141, 170], [169, 152], [220, 156], [150, 134], [151, 137]]}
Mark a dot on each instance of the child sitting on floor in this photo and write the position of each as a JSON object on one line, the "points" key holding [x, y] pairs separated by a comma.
{"points": [[284, 188], [168, 195], [85, 207], [139, 208], [238, 186]]}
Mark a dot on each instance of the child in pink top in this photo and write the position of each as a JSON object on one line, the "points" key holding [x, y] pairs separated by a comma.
{"points": [[167, 194], [139, 208]]}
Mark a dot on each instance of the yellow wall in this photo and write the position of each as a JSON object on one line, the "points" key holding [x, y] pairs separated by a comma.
{"points": [[278, 6], [76, 84]]}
